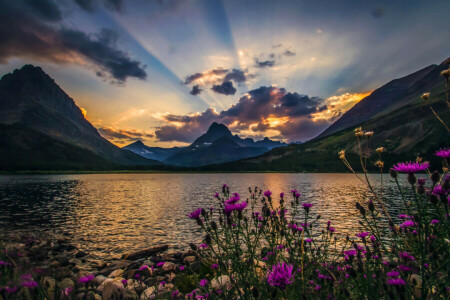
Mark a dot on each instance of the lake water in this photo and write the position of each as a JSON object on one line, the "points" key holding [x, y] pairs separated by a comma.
{"points": [[108, 214]]}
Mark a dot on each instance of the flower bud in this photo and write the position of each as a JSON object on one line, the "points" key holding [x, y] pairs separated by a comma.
{"points": [[435, 177], [393, 173], [208, 239], [371, 206], [214, 225], [420, 189], [412, 178]]}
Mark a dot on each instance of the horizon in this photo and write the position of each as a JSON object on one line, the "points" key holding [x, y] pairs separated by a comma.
{"points": [[163, 72]]}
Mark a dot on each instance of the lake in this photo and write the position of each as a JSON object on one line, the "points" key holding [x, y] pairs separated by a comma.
{"points": [[108, 214]]}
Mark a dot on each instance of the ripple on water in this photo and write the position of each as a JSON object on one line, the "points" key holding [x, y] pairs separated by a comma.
{"points": [[107, 214]]}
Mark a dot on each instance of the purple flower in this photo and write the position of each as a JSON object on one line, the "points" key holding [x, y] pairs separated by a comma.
{"points": [[393, 274], [181, 268], [308, 241], [144, 267], [11, 290], [214, 266], [281, 195], [124, 282], [86, 278], [232, 207], [216, 195], [175, 293], [281, 275], [406, 255], [403, 216], [438, 191], [204, 246], [224, 186], [307, 205], [410, 167], [434, 222], [4, 263], [362, 234], [195, 214], [203, 282], [30, 284], [350, 252], [396, 281], [408, 223], [163, 283], [421, 181], [444, 153], [297, 195], [268, 193], [404, 268], [331, 229], [160, 264]]}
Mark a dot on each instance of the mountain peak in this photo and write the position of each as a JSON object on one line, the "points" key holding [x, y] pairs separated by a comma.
{"points": [[218, 128], [137, 143]]}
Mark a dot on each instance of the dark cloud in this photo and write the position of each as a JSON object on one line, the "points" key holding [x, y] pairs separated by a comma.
{"points": [[264, 64], [31, 31], [288, 52], [91, 5], [102, 50], [236, 75], [196, 90], [87, 5], [254, 112], [225, 88], [46, 9], [122, 135]]}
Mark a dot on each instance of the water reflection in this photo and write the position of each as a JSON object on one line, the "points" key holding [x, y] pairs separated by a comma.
{"points": [[107, 214]]}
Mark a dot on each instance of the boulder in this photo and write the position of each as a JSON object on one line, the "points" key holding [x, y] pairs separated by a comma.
{"points": [[148, 293], [168, 266], [116, 273], [112, 289], [145, 252], [120, 264], [220, 283], [189, 259], [99, 279]]}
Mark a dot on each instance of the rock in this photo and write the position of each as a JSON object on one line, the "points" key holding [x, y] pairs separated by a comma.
{"points": [[134, 284], [177, 255], [120, 264], [221, 282], [63, 260], [165, 287], [167, 257], [112, 289], [195, 266], [116, 273], [80, 254], [99, 279], [99, 264], [189, 259], [188, 253], [55, 264], [49, 285], [170, 277], [66, 283], [168, 266], [148, 293], [62, 272], [145, 252]]}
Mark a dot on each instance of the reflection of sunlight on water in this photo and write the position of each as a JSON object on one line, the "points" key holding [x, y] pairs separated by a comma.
{"points": [[112, 213]]}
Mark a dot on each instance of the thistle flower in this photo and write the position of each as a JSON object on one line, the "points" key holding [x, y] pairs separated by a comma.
{"points": [[406, 255], [175, 293], [235, 207], [379, 164], [160, 264], [214, 266], [425, 96], [267, 193], [368, 134], [350, 252], [195, 214], [359, 132], [396, 281], [203, 282], [446, 74], [362, 234], [380, 150], [434, 222], [411, 167], [342, 154], [30, 284], [444, 153], [86, 278], [281, 275], [307, 205], [393, 274]]}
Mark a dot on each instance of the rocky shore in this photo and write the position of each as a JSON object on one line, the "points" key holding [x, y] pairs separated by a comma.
{"points": [[61, 271]]}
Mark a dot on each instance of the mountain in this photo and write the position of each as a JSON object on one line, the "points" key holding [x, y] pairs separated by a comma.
{"points": [[31, 99], [392, 95], [219, 145], [405, 127], [156, 153]]}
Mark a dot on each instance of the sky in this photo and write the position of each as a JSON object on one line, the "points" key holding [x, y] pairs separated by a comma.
{"points": [[163, 70]]}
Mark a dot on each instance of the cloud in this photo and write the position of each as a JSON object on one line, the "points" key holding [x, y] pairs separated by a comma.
{"points": [[267, 110], [34, 31], [236, 75], [288, 52], [208, 76], [91, 5], [264, 64], [121, 136], [225, 88], [196, 90]]}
